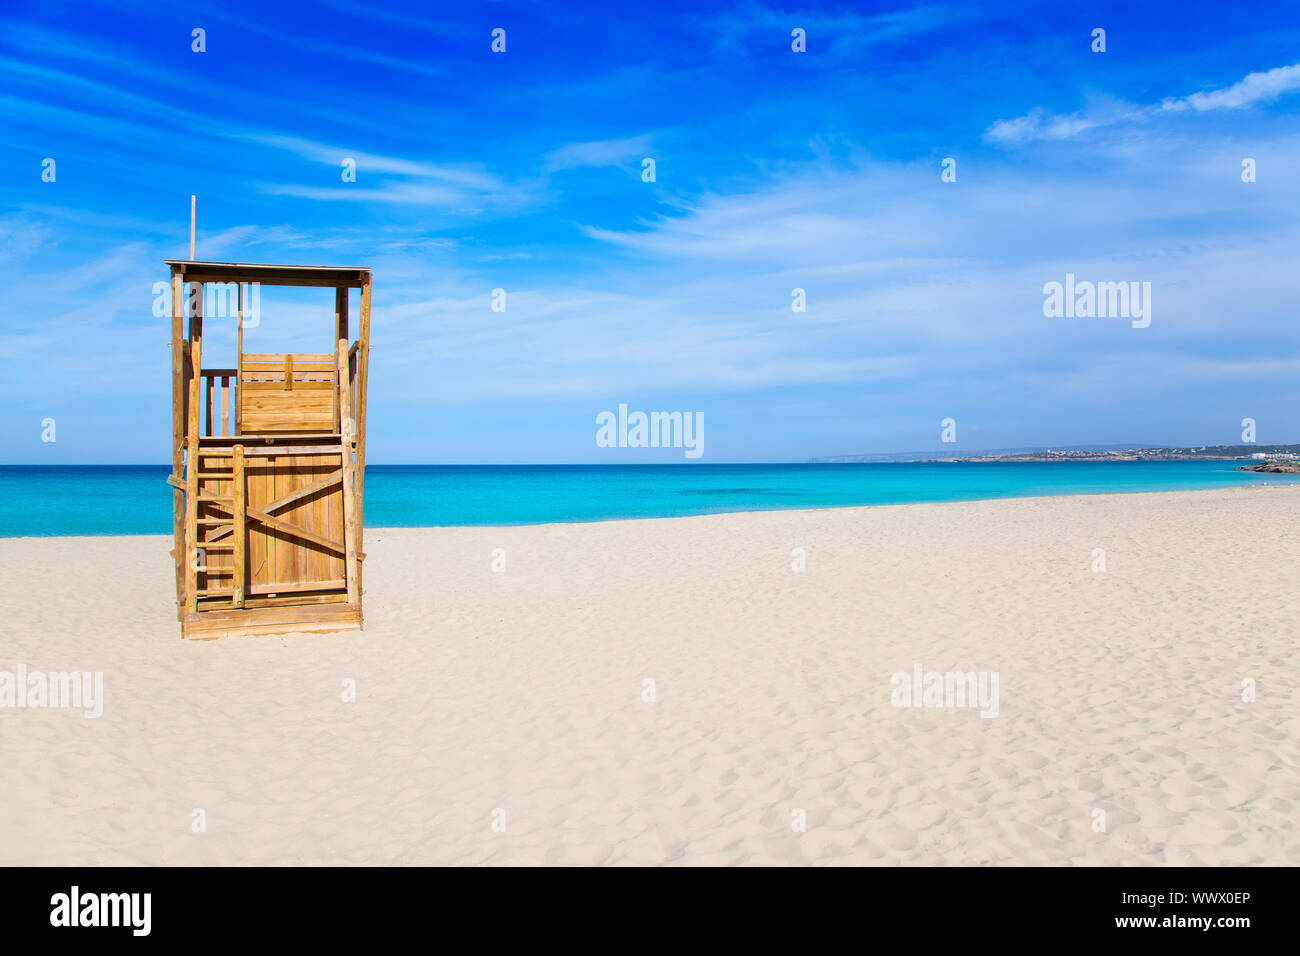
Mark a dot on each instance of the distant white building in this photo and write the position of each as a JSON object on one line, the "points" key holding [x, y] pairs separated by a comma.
{"points": [[1259, 454]]}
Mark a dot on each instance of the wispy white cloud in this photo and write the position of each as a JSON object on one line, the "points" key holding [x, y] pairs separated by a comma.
{"points": [[296, 35], [1039, 124], [606, 152], [23, 235], [897, 265], [1253, 88], [400, 181], [334, 155], [405, 194]]}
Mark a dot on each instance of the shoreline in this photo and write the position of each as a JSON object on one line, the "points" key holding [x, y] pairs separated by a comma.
{"points": [[1247, 485]]}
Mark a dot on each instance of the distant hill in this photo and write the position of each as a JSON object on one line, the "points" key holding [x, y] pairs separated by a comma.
{"points": [[1077, 452]]}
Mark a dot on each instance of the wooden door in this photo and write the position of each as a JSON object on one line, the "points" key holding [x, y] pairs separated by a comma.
{"points": [[302, 548]]}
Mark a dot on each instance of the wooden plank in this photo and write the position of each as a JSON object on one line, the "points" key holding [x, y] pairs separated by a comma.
{"points": [[192, 440], [288, 373], [277, 358], [260, 451], [225, 404], [317, 614], [271, 279], [300, 375], [288, 527], [273, 368], [276, 383], [267, 438], [340, 336], [347, 426], [301, 610], [330, 600], [275, 450], [363, 379], [351, 392], [258, 270], [176, 479], [319, 505], [341, 515], [240, 507], [288, 554], [260, 475], [208, 383], [239, 360], [297, 586]]}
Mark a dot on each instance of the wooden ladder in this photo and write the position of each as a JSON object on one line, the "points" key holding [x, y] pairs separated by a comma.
{"points": [[231, 523]]}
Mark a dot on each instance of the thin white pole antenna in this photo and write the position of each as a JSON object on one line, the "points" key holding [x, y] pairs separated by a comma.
{"points": [[191, 228]]}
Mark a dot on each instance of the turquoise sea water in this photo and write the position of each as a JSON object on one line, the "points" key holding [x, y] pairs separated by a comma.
{"points": [[92, 499]]}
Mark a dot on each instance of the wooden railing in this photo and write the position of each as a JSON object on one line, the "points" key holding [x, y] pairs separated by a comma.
{"points": [[218, 400], [218, 408]]}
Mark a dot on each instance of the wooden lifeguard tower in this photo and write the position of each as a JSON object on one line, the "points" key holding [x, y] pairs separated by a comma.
{"points": [[268, 464]]}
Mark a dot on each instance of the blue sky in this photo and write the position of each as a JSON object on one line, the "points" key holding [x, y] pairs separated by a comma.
{"points": [[775, 170]]}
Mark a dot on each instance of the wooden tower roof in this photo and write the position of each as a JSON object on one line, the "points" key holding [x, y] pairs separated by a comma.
{"points": [[334, 277]]}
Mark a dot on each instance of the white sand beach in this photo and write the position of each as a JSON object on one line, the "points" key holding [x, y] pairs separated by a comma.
{"points": [[517, 698]]}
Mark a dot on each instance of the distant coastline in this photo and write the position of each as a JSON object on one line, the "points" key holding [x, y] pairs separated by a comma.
{"points": [[1265, 454]]}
